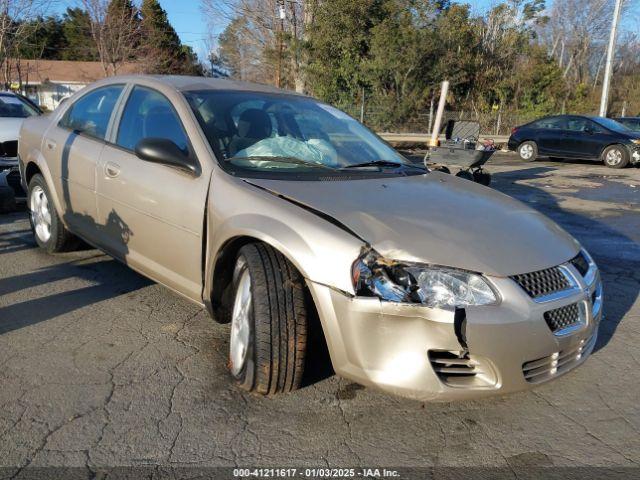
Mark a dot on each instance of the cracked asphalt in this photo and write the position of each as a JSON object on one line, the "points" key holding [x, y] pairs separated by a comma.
{"points": [[101, 367]]}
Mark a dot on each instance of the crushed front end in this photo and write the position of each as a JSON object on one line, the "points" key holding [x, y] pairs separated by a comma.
{"points": [[542, 325]]}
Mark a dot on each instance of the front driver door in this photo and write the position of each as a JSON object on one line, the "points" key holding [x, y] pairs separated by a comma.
{"points": [[153, 214]]}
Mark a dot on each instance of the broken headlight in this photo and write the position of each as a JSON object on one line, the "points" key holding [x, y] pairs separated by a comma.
{"points": [[432, 286]]}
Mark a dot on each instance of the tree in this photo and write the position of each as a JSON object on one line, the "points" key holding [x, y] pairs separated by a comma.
{"points": [[44, 39], [15, 27], [271, 47], [163, 50], [115, 31], [76, 26]]}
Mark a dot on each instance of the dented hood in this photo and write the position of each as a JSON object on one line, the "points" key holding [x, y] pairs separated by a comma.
{"points": [[439, 219]]}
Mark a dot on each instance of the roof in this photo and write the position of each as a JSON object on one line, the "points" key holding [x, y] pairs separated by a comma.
{"points": [[186, 83], [61, 71]]}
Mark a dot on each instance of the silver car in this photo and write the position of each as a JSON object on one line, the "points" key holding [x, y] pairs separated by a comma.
{"points": [[275, 211]]}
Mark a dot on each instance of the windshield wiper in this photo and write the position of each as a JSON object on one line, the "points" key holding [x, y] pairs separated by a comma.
{"points": [[383, 163], [290, 160]]}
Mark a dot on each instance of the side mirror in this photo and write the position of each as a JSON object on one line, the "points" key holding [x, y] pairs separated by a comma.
{"points": [[165, 152]]}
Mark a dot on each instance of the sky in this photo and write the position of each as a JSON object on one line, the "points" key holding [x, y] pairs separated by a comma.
{"points": [[190, 23]]}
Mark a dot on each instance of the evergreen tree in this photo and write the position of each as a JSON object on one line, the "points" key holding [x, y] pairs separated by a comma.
{"points": [[163, 50], [76, 26]]}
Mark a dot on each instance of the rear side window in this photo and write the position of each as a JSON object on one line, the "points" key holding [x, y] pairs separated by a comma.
{"points": [[149, 114], [554, 123], [91, 113]]}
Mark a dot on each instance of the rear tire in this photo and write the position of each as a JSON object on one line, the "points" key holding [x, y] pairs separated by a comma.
{"points": [[615, 156], [528, 151], [50, 233], [269, 322]]}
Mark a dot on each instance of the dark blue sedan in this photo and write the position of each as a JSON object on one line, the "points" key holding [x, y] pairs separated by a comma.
{"points": [[575, 136]]}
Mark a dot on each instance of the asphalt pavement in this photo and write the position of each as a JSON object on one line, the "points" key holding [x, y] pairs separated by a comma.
{"points": [[101, 367]]}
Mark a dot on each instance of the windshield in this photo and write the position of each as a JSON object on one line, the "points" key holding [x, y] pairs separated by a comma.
{"points": [[12, 106], [287, 133], [611, 124]]}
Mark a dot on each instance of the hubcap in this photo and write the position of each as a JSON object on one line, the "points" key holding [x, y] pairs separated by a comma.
{"points": [[526, 151], [614, 157], [40, 213], [240, 318]]}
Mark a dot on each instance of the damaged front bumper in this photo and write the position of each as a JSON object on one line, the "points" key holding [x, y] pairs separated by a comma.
{"points": [[438, 355]]}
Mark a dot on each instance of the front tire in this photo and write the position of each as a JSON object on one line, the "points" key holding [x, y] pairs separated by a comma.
{"points": [[615, 156], [269, 322], [528, 151], [50, 233]]}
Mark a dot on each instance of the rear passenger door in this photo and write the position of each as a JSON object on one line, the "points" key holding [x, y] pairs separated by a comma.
{"points": [[72, 148], [551, 135], [153, 214]]}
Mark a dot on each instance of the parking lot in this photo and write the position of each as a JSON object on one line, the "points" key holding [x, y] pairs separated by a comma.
{"points": [[101, 367]]}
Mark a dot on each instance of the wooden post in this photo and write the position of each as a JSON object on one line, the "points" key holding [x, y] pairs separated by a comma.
{"points": [[441, 104]]}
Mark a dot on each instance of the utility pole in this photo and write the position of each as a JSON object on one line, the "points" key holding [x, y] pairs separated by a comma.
{"points": [[604, 102], [282, 13]]}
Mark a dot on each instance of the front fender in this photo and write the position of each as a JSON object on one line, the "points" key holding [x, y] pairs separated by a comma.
{"points": [[320, 250]]}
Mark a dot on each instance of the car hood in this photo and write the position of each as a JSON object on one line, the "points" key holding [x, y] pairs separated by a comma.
{"points": [[9, 128], [438, 219]]}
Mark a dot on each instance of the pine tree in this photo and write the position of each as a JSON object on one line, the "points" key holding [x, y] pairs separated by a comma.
{"points": [[76, 25], [163, 50]]}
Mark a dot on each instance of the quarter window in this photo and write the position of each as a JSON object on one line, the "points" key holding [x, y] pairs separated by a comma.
{"points": [[149, 114], [91, 113]]}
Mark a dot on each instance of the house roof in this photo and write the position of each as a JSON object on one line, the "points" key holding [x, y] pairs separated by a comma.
{"points": [[61, 71]]}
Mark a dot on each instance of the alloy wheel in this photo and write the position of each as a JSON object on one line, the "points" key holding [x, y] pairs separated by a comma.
{"points": [[40, 213], [614, 157], [240, 327], [526, 151]]}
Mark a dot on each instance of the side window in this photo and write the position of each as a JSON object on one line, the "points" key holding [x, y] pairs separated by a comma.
{"points": [[553, 123], [149, 114], [576, 124], [91, 113]]}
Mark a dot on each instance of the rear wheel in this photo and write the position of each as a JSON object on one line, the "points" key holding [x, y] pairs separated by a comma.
{"points": [[528, 151], [268, 323], [615, 156], [50, 233]]}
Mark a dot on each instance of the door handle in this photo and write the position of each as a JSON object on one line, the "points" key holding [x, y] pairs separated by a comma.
{"points": [[112, 169], [51, 144]]}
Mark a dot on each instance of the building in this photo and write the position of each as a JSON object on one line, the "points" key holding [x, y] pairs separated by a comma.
{"points": [[48, 82]]}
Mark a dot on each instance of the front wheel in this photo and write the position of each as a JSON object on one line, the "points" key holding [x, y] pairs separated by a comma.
{"points": [[268, 322], [528, 151], [615, 156], [49, 231]]}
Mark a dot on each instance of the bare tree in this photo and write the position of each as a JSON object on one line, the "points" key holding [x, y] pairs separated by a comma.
{"points": [[114, 29], [16, 23], [259, 30]]}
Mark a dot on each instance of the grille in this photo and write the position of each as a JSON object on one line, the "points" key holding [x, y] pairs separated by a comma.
{"points": [[9, 149], [562, 317], [546, 368], [542, 282], [581, 264]]}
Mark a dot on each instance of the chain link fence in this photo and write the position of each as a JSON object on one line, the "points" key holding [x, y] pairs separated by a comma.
{"points": [[491, 123]]}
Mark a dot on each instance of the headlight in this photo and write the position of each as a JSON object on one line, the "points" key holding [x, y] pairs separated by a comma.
{"points": [[637, 142], [435, 287]]}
